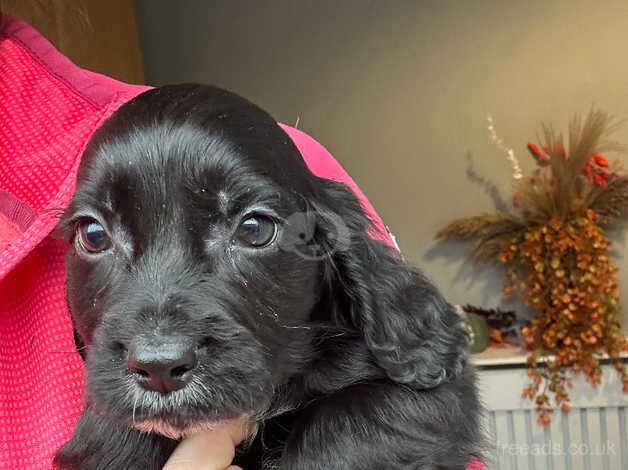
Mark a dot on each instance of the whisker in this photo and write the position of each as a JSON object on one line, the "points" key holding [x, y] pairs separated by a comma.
{"points": [[134, 406], [296, 327]]}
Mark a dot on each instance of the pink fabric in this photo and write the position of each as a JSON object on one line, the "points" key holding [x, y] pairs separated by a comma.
{"points": [[8, 231], [49, 108], [475, 465]]}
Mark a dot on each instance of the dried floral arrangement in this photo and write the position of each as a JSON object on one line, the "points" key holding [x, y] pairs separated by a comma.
{"points": [[554, 244]]}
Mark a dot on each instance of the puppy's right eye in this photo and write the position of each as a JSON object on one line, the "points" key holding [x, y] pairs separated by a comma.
{"points": [[91, 236], [256, 231]]}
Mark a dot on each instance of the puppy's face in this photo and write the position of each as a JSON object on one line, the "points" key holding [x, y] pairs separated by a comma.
{"points": [[182, 280]]}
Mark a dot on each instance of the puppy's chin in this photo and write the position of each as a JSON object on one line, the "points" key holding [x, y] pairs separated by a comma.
{"points": [[166, 429], [159, 426]]}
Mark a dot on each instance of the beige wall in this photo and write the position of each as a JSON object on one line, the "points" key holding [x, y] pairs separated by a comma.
{"points": [[399, 92]]}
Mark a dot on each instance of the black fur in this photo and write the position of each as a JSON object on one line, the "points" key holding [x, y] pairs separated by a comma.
{"points": [[347, 357]]}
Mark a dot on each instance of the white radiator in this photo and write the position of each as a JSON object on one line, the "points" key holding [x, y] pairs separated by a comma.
{"points": [[592, 436]]}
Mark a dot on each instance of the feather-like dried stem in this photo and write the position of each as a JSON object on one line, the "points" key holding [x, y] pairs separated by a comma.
{"points": [[479, 226], [611, 201]]}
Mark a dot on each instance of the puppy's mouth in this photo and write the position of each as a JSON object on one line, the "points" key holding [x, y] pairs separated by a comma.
{"points": [[175, 411]]}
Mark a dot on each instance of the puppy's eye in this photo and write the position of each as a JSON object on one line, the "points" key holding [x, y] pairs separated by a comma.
{"points": [[92, 236], [257, 231]]}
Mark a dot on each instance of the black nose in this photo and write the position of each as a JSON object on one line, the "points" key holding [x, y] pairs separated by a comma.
{"points": [[162, 368]]}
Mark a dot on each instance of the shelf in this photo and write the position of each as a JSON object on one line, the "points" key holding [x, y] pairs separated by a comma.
{"points": [[500, 356]]}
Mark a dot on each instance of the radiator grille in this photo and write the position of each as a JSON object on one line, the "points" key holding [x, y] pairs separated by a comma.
{"points": [[592, 436]]}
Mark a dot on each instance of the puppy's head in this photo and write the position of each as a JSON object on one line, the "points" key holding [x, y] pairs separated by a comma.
{"points": [[179, 280], [207, 260]]}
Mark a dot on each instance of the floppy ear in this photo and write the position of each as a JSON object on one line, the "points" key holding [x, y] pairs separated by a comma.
{"points": [[414, 335]]}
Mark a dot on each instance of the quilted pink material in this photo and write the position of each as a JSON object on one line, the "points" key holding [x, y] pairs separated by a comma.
{"points": [[48, 110]]}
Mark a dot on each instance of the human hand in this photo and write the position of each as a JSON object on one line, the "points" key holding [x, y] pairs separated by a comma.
{"points": [[210, 450]]}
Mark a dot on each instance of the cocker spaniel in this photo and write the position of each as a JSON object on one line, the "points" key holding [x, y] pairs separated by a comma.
{"points": [[211, 275]]}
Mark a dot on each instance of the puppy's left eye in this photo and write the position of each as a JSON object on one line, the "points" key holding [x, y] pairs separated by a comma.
{"points": [[91, 236], [257, 231]]}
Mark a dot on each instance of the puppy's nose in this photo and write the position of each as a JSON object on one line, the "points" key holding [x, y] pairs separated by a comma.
{"points": [[164, 368]]}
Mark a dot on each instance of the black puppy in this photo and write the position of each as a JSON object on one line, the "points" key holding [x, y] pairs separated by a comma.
{"points": [[212, 275]]}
